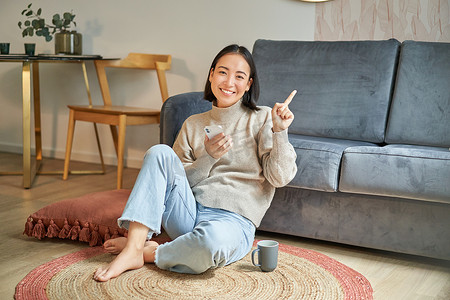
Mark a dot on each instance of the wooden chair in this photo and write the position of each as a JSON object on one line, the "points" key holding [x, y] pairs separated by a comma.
{"points": [[120, 116]]}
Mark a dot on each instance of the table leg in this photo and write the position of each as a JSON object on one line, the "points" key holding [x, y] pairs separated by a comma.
{"points": [[28, 175], [37, 112]]}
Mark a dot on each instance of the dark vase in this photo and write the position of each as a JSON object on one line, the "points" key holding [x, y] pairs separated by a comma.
{"points": [[68, 42], [30, 48]]}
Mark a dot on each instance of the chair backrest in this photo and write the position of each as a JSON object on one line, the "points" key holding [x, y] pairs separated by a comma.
{"points": [[158, 62]]}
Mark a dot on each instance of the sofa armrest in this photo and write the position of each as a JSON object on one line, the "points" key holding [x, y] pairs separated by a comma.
{"points": [[176, 110]]}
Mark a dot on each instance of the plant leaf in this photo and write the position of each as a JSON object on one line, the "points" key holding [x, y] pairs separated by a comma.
{"points": [[29, 13], [20, 24], [67, 16], [23, 11], [48, 38], [25, 32], [39, 12], [27, 23]]}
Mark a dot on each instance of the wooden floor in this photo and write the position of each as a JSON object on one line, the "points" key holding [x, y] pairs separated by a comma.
{"points": [[392, 276]]}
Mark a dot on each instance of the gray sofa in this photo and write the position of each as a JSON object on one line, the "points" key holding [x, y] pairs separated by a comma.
{"points": [[372, 136]]}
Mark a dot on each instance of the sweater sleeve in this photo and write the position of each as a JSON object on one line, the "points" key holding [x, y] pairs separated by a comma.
{"points": [[277, 156], [197, 168]]}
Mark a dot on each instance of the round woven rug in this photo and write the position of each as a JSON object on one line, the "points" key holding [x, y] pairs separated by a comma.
{"points": [[301, 274]]}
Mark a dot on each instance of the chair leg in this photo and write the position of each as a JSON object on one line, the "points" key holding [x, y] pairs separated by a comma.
{"points": [[70, 131], [99, 146], [115, 138], [120, 149]]}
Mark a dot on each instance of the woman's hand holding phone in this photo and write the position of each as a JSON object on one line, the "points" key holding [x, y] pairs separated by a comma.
{"points": [[216, 142]]}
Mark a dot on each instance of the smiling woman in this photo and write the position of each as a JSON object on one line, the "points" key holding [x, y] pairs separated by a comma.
{"points": [[230, 79], [195, 189], [244, 76]]}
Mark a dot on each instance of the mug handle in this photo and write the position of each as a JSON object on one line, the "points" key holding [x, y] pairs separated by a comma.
{"points": [[253, 257]]}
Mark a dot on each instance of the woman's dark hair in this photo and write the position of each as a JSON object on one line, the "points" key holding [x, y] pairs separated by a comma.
{"points": [[251, 96]]}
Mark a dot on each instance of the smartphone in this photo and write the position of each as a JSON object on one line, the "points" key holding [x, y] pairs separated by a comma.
{"points": [[213, 130]]}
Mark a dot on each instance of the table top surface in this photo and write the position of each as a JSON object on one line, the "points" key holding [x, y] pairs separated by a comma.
{"points": [[49, 57]]}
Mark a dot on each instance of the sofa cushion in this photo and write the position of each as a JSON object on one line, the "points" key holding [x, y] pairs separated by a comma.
{"points": [[420, 112], [405, 171], [344, 88], [318, 161]]}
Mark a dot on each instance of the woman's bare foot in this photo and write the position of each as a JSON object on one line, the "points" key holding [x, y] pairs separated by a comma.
{"points": [[115, 246], [129, 259], [149, 251]]}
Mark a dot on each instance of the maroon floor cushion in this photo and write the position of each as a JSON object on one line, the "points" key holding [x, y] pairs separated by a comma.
{"points": [[91, 218]]}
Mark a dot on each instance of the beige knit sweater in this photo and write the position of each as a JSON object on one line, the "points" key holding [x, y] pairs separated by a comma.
{"points": [[244, 179]]}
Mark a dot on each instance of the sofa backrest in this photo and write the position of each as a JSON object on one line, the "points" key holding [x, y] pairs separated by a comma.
{"points": [[176, 110], [420, 109], [344, 88]]}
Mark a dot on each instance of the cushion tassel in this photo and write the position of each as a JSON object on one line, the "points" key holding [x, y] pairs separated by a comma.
{"points": [[115, 234], [96, 239], [85, 235], [107, 234], [64, 233], [29, 227], [53, 230], [75, 231], [39, 230]]}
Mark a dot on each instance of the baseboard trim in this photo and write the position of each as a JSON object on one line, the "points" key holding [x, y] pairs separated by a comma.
{"points": [[130, 162]]}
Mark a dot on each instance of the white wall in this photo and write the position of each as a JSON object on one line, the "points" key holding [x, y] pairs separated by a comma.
{"points": [[191, 31]]}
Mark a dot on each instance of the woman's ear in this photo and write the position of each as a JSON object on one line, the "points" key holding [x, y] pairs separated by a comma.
{"points": [[249, 84], [211, 74]]}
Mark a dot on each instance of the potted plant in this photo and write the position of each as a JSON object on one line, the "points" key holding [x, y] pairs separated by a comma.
{"points": [[66, 42]]}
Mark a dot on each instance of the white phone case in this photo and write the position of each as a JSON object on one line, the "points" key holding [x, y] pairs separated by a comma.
{"points": [[213, 130]]}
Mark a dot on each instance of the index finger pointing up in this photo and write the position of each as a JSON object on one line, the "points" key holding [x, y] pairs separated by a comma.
{"points": [[289, 99]]}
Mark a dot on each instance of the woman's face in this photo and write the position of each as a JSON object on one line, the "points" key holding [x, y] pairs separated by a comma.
{"points": [[230, 79]]}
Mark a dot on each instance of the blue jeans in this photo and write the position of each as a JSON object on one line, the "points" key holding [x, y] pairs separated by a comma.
{"points": [[202, 237]]}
